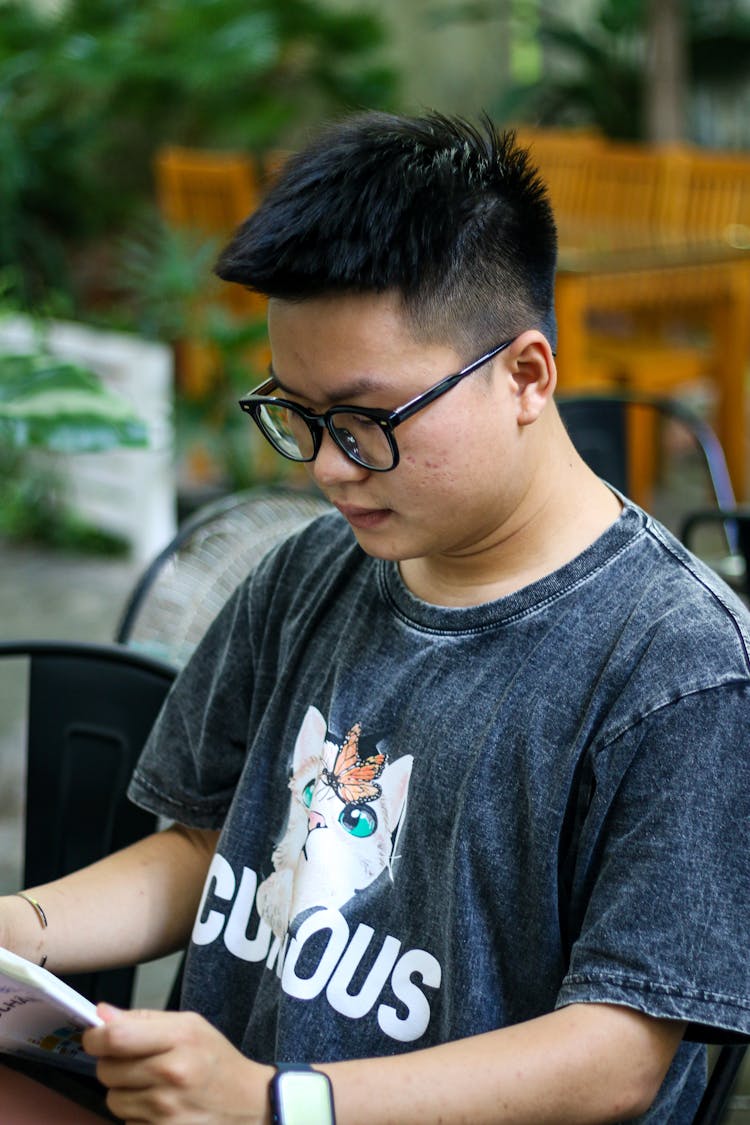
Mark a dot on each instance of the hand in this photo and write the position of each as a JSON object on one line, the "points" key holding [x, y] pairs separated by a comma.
{"points": [[175, 1067]]}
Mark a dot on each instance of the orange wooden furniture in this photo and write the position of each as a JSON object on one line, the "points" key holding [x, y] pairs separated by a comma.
{"points": [[652, 291], [653, 286], [564, 157], [716, 197], [714, 295], [207, 191], [209, 194]]}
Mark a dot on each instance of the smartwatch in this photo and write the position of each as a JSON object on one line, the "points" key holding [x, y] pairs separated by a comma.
{"points": [[301, 1096]]}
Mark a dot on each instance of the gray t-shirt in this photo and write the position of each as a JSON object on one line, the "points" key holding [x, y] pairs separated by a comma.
{"points": [[440, 821]]}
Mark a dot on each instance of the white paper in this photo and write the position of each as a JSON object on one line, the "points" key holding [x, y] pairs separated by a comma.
{"points": [[41, 1017]]}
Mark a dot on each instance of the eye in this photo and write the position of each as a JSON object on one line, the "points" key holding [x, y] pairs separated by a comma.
{"points": [[307, 793], [358, 820]]}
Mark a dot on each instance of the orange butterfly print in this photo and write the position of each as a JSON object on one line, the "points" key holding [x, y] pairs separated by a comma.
{"points": [[353, 778]]}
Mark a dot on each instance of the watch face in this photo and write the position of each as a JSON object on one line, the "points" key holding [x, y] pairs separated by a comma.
{"points": [[302, 1098]]}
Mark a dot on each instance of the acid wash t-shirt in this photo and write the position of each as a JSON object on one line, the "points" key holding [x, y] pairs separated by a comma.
{"points": [[436, 822]]}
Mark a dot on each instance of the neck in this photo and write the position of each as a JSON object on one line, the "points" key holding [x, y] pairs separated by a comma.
{"points": [[561, 510]]}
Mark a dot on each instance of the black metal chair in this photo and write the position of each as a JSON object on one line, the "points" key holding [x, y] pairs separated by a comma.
{"points": [[737, 520], [183, 589], [598, 425], [721, 1083], [90, 708]]}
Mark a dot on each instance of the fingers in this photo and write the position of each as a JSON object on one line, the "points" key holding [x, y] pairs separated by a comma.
{"points": [[134, 1034], [174, 1066]]}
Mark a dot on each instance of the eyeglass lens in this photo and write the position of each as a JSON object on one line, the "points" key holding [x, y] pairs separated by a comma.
{"points": [[361, 438]]}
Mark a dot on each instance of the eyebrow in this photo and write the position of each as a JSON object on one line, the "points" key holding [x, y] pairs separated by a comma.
{"points": [[366, 384]]}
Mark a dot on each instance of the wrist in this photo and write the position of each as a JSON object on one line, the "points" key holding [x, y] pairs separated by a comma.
{"points": [[301, 1095], [23, 927], [251, 1088]]}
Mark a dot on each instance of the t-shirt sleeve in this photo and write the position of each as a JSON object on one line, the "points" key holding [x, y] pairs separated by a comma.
{"points": [[663, 869], [190, 765]]}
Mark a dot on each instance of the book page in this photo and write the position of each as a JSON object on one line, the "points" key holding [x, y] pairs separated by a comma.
{"points": [[41, 1017]]}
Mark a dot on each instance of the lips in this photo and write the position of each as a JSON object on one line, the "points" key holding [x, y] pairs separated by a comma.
{"points": [[363, 518]]}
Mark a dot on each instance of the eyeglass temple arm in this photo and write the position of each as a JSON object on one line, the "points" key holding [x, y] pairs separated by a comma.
{"points": [[444, 385]]}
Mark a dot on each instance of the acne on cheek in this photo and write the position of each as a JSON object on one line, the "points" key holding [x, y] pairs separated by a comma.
{"points": [[425, 472], [431, 477], [422, 463], [430, 467]]}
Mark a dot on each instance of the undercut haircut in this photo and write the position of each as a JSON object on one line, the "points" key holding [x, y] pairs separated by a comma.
{"points": [[453, 217]]}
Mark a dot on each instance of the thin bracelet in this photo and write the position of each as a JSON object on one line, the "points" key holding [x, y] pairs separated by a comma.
{"points": [[39, 911]]}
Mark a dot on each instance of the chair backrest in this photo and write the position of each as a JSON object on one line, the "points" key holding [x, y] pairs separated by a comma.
{"points": [[90, 708], [721, 1082], [717, 197], [565, 158], [211, 192], [600, 428], [629, 189], [737, 520], [180, 593]]}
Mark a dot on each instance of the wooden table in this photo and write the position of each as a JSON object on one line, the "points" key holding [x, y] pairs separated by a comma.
{"points": [[25, 1101], [710, 281]]}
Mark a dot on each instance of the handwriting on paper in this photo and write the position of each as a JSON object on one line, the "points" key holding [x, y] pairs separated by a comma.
{"points": [[8, 1003]]}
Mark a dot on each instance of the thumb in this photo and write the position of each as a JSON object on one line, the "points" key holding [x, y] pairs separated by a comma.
{"points": [[108, 1012]]}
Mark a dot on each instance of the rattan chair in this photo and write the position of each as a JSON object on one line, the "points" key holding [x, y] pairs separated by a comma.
{"points": [[183, 589]]}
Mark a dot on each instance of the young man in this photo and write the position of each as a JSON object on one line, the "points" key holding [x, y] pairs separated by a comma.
{"points": [[462, 769]]}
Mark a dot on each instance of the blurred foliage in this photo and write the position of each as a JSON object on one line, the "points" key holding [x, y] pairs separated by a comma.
{"points": [[168, 291], [34, 508], [215, 438], [165, 278], [51, 406], [90, 88], [594, 73]]}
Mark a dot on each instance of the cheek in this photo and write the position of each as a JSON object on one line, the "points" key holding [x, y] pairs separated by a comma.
{"points": [[446, 468], [432, 453], [451, 444]]}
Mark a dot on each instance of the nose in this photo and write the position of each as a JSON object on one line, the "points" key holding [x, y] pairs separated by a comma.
{"points": [[315, 820], [332, 466]]}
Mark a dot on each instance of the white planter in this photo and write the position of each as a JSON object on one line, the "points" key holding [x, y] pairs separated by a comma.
{"points": [[130, 492]]}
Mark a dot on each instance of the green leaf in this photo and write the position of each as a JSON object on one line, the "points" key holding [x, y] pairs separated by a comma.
{"points": [[59, 406]]}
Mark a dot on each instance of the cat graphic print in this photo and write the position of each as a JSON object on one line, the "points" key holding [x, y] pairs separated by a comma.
{"points": [[345, 813]]}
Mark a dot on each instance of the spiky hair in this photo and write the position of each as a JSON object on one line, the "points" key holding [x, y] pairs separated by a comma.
{"points": [[452, 216]]}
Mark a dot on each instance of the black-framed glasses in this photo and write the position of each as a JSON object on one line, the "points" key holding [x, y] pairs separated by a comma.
{"points": [[363, 433]]}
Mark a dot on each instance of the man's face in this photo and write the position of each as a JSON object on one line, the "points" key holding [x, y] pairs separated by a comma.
{"points": [[459, 476]]}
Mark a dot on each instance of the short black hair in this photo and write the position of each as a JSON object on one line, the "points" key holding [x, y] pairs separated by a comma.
{"points": [[453, 217]]}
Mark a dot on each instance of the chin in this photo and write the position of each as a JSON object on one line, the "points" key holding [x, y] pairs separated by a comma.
{"points": [[390, 551]]}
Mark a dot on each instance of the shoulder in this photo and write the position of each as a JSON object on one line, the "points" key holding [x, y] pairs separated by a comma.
{"points": [[675, 628], [692, 602]]}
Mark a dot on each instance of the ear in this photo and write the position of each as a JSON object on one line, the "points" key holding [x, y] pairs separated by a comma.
{"points": [[533, 374], [312, 735], [395, 784]]}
